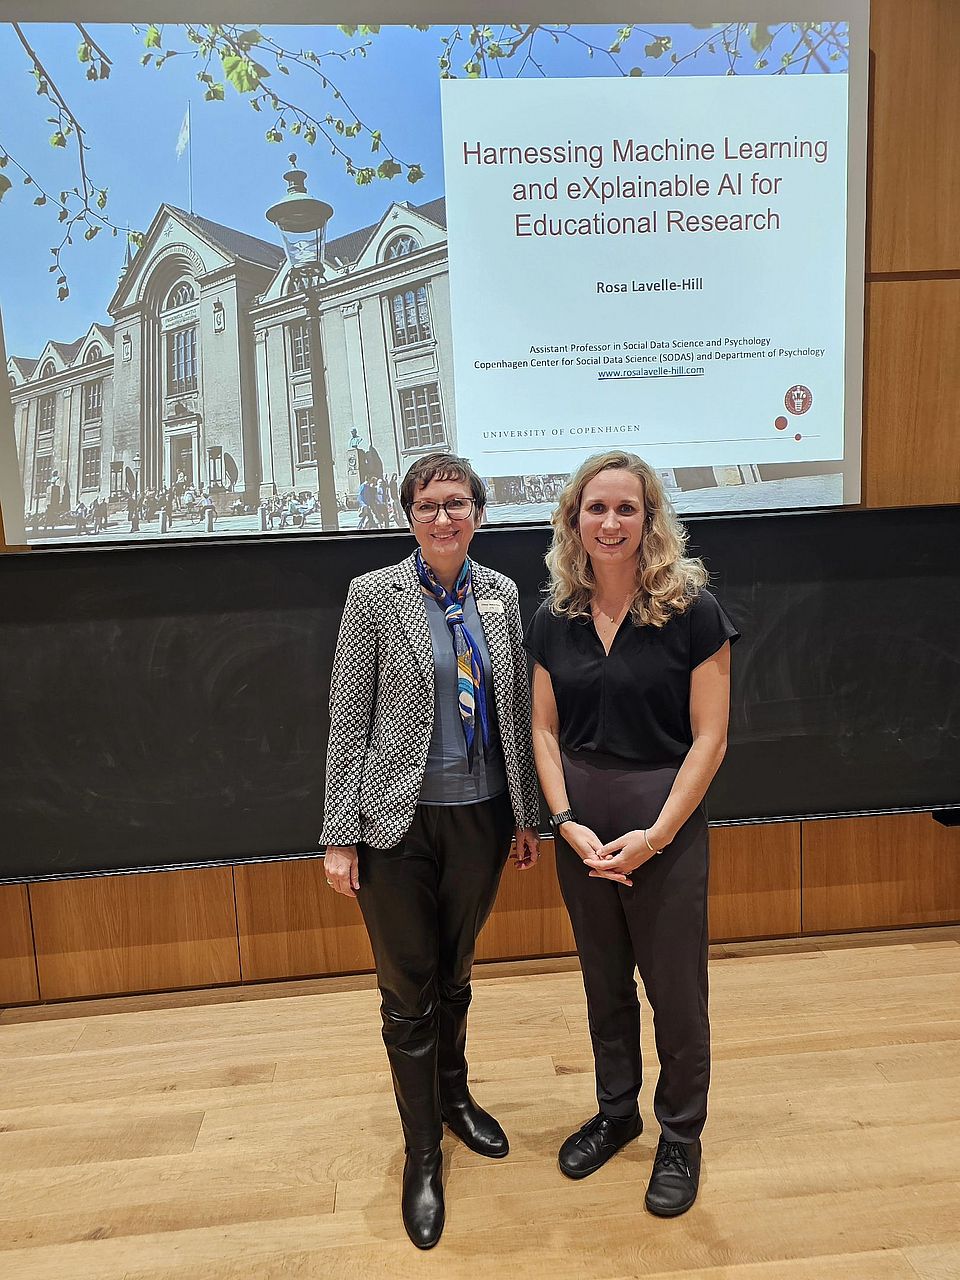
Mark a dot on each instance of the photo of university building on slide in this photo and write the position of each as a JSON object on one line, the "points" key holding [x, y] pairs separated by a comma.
{"points": [[219, 382], [224, 396]]}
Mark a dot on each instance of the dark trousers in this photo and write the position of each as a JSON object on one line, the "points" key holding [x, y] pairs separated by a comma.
{"points": [[424, 902], [658, 926]]}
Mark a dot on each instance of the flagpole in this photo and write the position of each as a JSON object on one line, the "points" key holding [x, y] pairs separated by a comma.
{"points": [[189, 161]]}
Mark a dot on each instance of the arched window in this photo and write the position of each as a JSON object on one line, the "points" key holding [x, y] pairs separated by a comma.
{"points": [[181, 294], [93, 355], [48, 370], [400, 246]]}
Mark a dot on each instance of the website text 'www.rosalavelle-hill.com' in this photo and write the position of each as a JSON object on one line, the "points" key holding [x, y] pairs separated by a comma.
{"points": [[652, 371]]}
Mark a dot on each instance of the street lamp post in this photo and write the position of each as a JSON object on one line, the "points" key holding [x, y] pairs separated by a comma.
{"points": [[302, 221], [135, 503]]}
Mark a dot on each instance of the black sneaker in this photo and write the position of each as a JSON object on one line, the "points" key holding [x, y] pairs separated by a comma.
{"points": [[592, 1145], [675, 1179]]}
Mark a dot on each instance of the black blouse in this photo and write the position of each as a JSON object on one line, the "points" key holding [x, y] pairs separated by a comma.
{"points": [[634, 703]]}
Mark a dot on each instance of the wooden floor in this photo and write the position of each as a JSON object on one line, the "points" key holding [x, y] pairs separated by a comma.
{"points": [[252, 1133]]}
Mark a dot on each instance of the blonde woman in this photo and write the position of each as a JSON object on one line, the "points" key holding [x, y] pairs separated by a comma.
{"points": [[631, 690]]}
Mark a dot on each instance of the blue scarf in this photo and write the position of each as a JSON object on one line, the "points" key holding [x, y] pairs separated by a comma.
{"points": [[471, 689]]}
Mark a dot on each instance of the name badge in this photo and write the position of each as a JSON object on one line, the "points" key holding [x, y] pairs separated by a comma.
{"points": [[489, 606]]}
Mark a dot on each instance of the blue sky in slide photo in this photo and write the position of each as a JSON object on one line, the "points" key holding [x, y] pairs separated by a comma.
{"points": [[132, 121]]}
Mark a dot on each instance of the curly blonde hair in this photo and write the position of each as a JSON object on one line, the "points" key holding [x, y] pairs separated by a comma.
{"points": [[667, 581]]}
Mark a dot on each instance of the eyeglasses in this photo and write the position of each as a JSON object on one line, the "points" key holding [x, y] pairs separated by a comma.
{"points": [[456, 509]]}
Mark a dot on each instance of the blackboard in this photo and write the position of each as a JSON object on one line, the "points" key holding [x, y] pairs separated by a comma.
{"points": [[167, 706]]}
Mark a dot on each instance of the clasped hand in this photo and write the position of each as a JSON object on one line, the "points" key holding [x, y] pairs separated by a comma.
{"points": [[612, 861]]}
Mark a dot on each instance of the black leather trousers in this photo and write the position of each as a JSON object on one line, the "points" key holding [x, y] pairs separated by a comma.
{"points": [[424, 902]]}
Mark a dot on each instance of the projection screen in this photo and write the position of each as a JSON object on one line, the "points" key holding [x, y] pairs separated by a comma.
{"points": [[251, 270]]}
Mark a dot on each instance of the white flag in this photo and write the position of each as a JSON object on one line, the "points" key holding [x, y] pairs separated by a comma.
{"points": [[184, 136]]}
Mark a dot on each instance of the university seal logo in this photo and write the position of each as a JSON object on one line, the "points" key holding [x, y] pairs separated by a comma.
{"points": [[798, 399]]}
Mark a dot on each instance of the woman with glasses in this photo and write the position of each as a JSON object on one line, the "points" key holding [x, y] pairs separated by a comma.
{"points": [[430, 777]]}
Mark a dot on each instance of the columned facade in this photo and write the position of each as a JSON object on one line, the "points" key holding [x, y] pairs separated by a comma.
{"points": [[210, 375]]}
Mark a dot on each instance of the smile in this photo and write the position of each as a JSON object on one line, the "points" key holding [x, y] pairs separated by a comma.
{"points": [[611, 542]]}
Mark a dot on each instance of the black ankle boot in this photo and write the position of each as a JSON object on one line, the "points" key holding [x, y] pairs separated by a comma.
{"points": [[476, 1128], [675, 1179], [421, 1201]]}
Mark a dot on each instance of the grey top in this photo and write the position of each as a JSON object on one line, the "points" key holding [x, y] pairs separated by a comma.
{"points": [[447, 779]]}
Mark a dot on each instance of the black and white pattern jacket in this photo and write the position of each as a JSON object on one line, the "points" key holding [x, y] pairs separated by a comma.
{"points": [[382, 697]]}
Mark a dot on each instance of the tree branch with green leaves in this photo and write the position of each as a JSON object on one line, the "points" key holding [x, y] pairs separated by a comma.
{"points": [[83, 206], [254, 63], [239, 56]]}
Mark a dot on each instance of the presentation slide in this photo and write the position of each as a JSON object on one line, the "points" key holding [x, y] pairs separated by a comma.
{"points": [[250, 272], [625, 274]]}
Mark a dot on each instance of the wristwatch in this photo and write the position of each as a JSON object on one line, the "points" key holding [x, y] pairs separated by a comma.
{"points": [[558, 819]]}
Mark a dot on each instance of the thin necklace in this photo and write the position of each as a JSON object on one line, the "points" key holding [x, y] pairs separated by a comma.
{"points": [[595, 608]]}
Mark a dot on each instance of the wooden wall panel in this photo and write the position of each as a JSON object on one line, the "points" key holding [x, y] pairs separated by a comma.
{"points": [[117, 934], [145, 932], [755, 881], [18, 967], [875, 873], [914, 193], [529, 918], [291, 924], [754, 892], [912, 392]]}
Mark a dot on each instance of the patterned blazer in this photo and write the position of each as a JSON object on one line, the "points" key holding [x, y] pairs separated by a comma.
{"points": [[381, 704]]}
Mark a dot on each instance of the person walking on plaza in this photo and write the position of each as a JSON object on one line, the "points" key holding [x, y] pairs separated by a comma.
{"points": [[366, 504], [430, 776], [631, 691]]}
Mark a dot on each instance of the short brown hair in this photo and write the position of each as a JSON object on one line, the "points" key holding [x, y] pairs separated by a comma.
{"points": [[441, 466]]}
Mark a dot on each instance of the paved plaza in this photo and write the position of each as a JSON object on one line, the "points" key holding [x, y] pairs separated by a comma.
{"points": [[769, 495]]}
